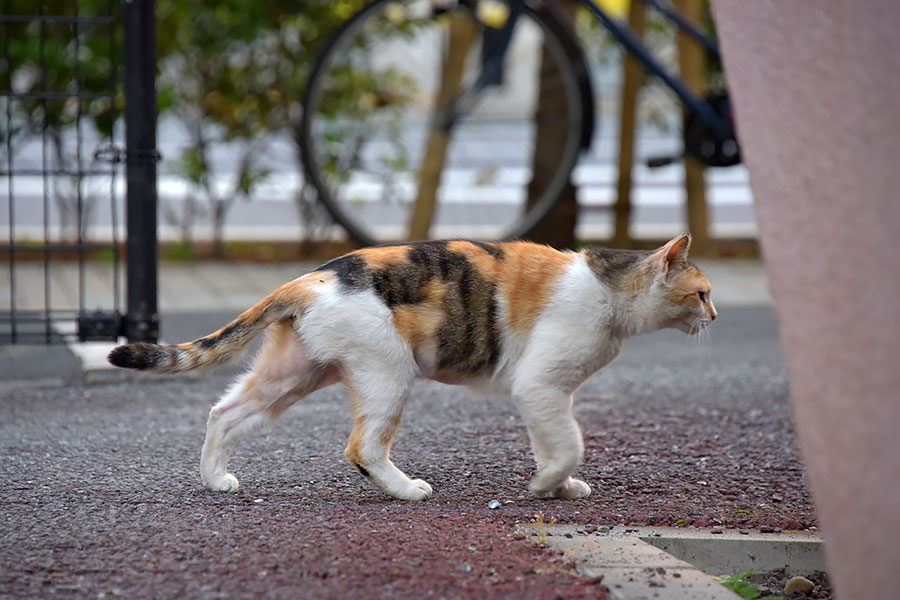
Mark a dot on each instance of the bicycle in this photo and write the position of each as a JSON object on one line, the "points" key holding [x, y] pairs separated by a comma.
{"points": [[499, 96]]}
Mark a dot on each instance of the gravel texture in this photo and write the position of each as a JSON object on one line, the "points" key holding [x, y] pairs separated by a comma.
{"points": [[774, 582], [101, 494]]}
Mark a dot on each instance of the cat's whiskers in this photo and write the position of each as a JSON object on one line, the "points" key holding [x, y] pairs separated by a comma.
{"points": [[699, 331]]}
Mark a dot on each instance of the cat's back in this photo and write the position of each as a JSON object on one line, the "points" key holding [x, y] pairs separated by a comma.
{"points": [[520, 274], [456, 300]]}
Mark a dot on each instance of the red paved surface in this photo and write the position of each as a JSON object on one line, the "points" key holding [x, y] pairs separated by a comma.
{"points": [[101, 495]]}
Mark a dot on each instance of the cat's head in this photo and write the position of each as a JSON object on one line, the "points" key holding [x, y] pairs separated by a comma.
{"points": [[678, 293]]}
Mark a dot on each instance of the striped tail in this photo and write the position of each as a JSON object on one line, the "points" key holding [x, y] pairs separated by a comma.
{"points": [[217, 348]]}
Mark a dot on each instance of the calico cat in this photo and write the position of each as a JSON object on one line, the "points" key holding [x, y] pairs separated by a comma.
{"points": [[516, 317]]}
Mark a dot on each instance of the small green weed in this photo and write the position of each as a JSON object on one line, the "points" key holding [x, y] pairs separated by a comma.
{"points": [[743, 588]]}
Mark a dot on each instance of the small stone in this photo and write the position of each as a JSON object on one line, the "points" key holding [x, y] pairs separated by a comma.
{"points": [[798, 584], [766, 530], [259, 501], [603, 529], [590, 528], [717, 531], [465, 568], [568, 535], [777, 498], [743, 532], [494, 504]]}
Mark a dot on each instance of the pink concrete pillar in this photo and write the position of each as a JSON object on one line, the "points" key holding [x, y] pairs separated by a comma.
{"points": [[816, 89]]}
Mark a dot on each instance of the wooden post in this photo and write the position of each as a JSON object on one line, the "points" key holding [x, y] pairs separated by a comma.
{"points": [[462, 33], [557, 229], [633, 76], [690, 60]]}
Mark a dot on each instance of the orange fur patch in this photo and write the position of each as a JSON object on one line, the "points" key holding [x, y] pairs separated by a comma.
{"points": [[377, 258], [636, 280], [354, 444], [387, 436], [485, 264], [418, 322], [352, 452], [297, 293], [528, 278], [686, 285]]}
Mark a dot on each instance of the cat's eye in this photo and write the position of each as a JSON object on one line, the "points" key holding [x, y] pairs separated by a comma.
{"points": [[702, 296]]}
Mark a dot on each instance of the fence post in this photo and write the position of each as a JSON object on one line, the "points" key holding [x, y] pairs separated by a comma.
{"points": [[631, 85], [690, 59], [139, 26]]}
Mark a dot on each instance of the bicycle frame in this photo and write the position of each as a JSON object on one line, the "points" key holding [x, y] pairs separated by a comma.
{"points": [[626, 36], [634, 44]]}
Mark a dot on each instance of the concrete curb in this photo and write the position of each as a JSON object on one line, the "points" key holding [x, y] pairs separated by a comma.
{"points": [[665, 563], [56, 365], [95, 369]]}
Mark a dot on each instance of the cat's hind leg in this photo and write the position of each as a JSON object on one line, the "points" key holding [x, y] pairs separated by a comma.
{"points": [[555, 439], [232, 415], [282, 374]]}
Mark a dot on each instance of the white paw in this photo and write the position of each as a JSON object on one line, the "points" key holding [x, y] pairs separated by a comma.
{"points": [[416, 490], [572, 489], [222, 483]]}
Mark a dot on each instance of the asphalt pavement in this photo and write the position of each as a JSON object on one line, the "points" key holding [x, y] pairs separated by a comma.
{"points": [[102, 496]]}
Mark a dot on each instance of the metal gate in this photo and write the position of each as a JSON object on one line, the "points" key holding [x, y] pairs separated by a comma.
{"points": [[68, 69]]}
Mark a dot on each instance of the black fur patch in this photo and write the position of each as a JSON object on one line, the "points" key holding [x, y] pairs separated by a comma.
{"points": [[492, 249], [140, 355], [362, 470], [400, 284], [211, 340], [351, 270], [610, 264], [469, 341]]}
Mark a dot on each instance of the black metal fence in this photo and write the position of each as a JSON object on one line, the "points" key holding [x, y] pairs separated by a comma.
{"points": [[70, 69]]}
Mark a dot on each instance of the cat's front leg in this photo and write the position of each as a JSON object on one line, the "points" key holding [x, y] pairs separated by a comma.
{"points": [[555, 439], [572, 489]]}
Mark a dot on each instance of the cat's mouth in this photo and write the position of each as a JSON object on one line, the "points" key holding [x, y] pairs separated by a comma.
{"points": [[699, 325]]}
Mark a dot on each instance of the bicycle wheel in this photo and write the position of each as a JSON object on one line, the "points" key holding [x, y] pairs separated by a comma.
{"points": [[374, 93]]}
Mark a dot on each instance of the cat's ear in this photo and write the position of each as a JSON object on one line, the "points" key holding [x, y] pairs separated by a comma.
{"points": [[673, 254]]}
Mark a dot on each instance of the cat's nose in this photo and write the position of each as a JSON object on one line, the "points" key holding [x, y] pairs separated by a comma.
{"points": [[712, 312]]}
